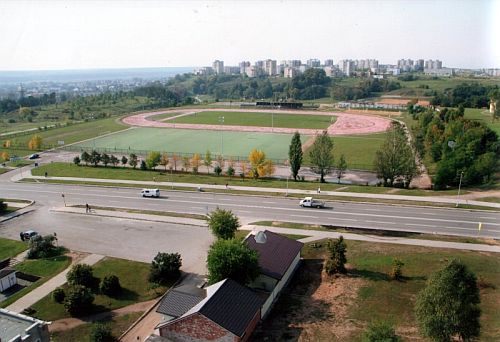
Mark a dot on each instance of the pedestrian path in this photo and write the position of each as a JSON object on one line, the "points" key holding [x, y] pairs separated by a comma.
{"points": [[43, 290], [315, 235], [131, 216], [284, 191]]}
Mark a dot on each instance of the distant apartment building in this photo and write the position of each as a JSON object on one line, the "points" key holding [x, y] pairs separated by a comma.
{"points": [[346, 66], [232, 70], [440, 72], [218, 67], [243, 66], [419, 65], [313, 63], [492, 72], [433, 64], [332, 71], [204, 71], [294, 63], [290, 72], [365, 64], [270, 67], [328, 62]]}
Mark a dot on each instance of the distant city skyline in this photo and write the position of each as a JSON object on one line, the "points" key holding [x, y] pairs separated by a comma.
{"points": [[55, 35]]}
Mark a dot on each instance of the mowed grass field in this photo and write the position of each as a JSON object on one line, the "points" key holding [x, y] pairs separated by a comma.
{"points": [[194, 141], [483, 115], [259, 119], [358, 150]]}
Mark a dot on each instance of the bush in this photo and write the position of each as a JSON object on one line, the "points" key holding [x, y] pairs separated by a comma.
{"points": [[337, 259], [165, 267], [380, 332], [76, 160], [42, 247], [78, 300], [110, 285], [223, 223], [101, 333], [3, 207], [58, 295], [81, 274], [397, 269], [217, 170], [143, 166]]}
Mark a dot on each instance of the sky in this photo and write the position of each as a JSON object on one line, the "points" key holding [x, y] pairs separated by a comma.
{"points": [[65, 34]]}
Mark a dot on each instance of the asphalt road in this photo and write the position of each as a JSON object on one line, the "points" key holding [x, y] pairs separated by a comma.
{"points": [[253, 208]]}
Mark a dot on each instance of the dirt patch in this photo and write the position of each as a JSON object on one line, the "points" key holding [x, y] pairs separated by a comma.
{"points": [[314, 308], [308, 143], [70, 323]]}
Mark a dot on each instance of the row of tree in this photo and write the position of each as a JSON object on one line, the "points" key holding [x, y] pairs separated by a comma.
{"points": [[471, 95], [461, 148]]}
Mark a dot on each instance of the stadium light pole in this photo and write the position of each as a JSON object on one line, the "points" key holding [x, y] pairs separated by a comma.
{"points": [[221, 121]]}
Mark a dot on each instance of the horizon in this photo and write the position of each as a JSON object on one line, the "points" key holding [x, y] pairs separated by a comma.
{"points": [[78, 35]]}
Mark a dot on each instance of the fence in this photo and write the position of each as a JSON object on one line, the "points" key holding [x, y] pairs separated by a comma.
{"points": [[143, 153]]}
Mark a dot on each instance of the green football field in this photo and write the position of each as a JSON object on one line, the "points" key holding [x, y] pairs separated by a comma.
{"points": [[258, 119], [237, 144]]}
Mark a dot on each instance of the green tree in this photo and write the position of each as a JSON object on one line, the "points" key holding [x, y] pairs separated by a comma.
{"points": [[153, 159], [81, 274], [143, 166], [105, 158], [232, 259], [76, 160], [85, 157], [124, 160], [165, 268], [42, 247], [395, 161], [133, 160], [58, 295], [380, 331], [448, 306], [295, 155], [336, 256], [95, 158], [207, 161], [223, 223], [110, 285], [78, 300], [101, 333], [230, 171], [113, 160], [321, 155], [341, 167]]}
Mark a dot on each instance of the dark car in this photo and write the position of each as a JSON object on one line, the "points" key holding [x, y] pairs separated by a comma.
{"points": [[27, 235], [34, 156]]}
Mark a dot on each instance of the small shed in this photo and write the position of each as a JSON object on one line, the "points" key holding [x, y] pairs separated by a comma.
{"points": [[7, 278]]}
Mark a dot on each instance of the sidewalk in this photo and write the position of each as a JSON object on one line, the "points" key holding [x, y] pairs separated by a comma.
{"points": [[131, 216], [314, 235], [434, 199], [34, 296]]}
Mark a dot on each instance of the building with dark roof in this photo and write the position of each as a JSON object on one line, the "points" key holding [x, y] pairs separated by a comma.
{"points": [[229, 312], [279, 257]]}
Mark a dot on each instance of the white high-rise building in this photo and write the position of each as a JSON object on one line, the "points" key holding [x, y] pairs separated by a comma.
{"points": [[270, 67], [346, 66], [218, 67]]}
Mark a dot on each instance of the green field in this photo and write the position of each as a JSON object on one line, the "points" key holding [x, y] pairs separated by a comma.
{"points": [[259, 119], [11, 248], [483, 115], [194, 141], [359, 150]]}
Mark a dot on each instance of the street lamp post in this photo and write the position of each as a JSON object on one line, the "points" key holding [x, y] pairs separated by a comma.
{"points": [[459, 186], [221, 121]]}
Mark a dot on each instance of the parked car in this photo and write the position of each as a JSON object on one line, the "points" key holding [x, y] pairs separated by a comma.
{"points": [[310, 202], [27, 235], [34, 156], [150, 193]]}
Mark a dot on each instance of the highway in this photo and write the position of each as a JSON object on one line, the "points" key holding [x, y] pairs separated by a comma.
{"points": [[258, 208]]}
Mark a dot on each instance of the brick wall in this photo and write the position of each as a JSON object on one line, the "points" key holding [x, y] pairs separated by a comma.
{"points": [[196, 327]]}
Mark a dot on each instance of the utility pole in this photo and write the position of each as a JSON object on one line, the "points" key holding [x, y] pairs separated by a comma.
{"points": [[459, 186]]}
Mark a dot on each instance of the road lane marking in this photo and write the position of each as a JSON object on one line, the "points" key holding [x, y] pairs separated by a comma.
{"points": [[305, 216]]}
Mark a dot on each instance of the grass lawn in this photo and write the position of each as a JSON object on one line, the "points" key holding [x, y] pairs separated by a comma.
{"points": [[3, 170], [70, 134], [359, 151], [133, 279], [259, 119], [20, 152], [44, 268], [82, 332], [71, 170], [161, 117], [11, 248], [235, 144], [318, 307], [483, 115]]}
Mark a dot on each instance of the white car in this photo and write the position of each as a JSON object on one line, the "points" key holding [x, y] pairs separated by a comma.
{"points": [[150, 193]]}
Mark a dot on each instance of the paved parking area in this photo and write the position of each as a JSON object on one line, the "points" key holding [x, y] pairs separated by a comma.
{"points": [[117, 237]]}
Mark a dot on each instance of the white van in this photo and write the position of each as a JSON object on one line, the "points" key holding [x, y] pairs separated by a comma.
{"points": [[150, 193]]}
